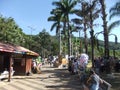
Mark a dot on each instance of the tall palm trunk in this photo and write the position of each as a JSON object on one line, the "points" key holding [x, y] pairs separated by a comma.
{"points": [[64, 29], [69, 40], [59, 32], [106, 41], [85, 29], [85, 39], [92, 37]]}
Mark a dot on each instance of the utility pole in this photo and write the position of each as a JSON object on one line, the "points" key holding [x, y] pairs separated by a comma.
{"points": [[32, 29]]}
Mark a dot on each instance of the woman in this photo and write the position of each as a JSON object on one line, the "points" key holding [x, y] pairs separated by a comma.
{"points": [[95, 80]]}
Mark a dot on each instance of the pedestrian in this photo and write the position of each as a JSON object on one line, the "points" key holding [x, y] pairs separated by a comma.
{"points": [[94, 81], [75, 66], [97, 65]]}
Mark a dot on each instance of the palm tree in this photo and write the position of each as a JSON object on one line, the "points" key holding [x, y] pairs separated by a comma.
{"points": [[106, 39], [66, 7], [114, 12], [82, 21], [88, 13], [106, 33], [56, 18], [93, 14]]}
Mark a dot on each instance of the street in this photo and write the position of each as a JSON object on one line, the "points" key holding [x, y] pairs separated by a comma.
{"points": [[50, 79]]}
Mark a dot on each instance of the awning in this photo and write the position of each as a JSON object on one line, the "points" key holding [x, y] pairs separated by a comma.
{"points": [[16, 49]]}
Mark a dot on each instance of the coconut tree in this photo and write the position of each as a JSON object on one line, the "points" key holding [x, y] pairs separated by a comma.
{"points": [[93, 14], [114, 12], [66, 7], [56, 18], [82, 21], [105, 29], [106, 34], [88, 13]]}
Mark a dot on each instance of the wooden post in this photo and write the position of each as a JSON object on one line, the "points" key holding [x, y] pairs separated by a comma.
{"points": [[10, 63]]}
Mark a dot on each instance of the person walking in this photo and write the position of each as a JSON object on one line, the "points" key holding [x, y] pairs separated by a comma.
{"points": [[94, 81]]}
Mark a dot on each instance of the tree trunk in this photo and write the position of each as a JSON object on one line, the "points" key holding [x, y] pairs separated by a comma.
{"points": [[106, 41], [69, 40], [60, 42], [92, 37], [85, 39]]}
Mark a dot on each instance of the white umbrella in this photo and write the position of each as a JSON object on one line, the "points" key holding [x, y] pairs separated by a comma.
{"points": [[83, 59]]}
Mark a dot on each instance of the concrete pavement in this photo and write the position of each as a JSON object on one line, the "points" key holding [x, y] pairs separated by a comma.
{"points": [[50, 79]]}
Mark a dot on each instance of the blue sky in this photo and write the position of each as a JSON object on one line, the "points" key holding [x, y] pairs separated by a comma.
{"points": [[34, 14]]}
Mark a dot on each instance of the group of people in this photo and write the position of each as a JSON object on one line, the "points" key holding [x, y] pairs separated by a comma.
{"points": [[92, 80], [76, 64], [36, 66], [101, 64]]}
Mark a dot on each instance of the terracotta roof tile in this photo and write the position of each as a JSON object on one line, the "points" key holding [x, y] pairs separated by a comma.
{"points": [[16, 49]]}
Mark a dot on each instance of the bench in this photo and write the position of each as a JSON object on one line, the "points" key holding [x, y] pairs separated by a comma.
{"points": [[5, 74]]}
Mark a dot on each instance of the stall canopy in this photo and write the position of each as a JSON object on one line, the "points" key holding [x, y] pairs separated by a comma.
{"points": [[16, 49]]}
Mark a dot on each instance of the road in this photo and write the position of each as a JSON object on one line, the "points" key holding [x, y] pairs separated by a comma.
{"points": [[50, 79]]}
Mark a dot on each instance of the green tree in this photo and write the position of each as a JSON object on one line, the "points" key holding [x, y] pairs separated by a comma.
{"points": [[10, 31], [66, 7]]}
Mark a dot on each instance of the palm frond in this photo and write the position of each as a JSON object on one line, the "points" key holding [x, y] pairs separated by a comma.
{"points": [[113, 25], [115, 10], [77, 21], [53, 26], [115, 7], [114, 14]]}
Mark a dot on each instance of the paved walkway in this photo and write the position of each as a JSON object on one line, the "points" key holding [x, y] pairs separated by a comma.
{"points": [[49, 79]]}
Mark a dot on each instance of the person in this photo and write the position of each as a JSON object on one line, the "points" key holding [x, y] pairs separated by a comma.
{"points": [[97, 65], [75, 66], [94, 81], [11, 69]]}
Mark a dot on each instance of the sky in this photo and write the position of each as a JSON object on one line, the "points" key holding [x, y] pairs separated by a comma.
{"points": [[32, 15]]}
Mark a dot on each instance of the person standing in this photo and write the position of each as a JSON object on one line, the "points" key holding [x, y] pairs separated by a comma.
{"points": [[75, 66], [97, 65]]}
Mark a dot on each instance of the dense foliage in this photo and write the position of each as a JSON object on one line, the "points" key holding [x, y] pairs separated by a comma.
{"points": [[43, 43], [64, 42]]}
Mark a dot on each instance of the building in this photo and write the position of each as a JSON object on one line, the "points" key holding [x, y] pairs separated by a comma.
{"points": [[17, 57]]}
